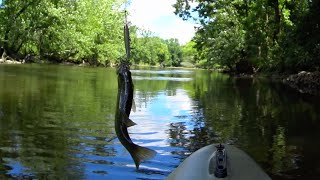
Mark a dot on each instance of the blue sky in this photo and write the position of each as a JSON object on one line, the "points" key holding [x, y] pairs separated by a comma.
{"points": [[158, 17]]}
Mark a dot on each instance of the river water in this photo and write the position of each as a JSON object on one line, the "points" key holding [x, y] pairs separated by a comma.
{"points": [[57, 122]]}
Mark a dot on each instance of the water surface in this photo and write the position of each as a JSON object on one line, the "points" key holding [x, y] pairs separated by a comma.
{"points": [[57, 122]]}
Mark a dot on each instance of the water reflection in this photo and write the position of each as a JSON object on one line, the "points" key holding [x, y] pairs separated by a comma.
{"points": [[161, 78], [157, 71], [41, 133], [162, 75], [162, 115], [57, 122], [264, 122]]}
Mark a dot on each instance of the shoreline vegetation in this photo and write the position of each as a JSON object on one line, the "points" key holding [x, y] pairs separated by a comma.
{"points": [[243, 38]]}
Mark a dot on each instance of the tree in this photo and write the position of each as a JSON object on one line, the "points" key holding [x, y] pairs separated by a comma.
{"points": [[266, 33], [175, 51], [189, 53], [149, 49], [63, 30]]}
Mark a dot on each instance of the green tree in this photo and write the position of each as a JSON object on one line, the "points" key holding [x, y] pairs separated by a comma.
{"points": [[271, 34], [175, 51], [221, 36], [148, 49], [189, 53], [63, 30]]}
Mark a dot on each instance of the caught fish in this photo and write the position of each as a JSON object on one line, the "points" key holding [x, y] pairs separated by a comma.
{"points": [[122, 121]]}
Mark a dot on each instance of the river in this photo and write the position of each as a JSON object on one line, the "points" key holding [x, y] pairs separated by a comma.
{"points": [[57, 122]]}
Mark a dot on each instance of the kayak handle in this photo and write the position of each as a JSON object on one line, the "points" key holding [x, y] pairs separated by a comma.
{"points": [[221, 162]]}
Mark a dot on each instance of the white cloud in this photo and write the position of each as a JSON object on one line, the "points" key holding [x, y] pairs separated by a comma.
{"points": [[158, 17]]}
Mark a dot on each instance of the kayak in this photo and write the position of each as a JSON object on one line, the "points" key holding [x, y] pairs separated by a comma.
{"points": [[218, 162]]}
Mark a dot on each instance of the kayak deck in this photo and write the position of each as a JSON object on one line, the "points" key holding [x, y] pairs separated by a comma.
{"points": [[199, 165]]}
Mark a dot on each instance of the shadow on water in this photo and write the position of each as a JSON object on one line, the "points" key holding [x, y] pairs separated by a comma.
{"points": [[58, 122]]}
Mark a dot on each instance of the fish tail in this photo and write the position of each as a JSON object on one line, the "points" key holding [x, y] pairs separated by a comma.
{"points": [[140, 154]]}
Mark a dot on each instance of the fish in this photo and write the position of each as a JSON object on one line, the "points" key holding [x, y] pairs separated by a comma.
{"points": [[122, 121], [127, 42]]}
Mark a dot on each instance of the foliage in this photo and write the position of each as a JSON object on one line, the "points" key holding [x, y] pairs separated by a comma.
{"points": [[63, 30], [277, 35], [189, 52], [150, 49], [78, 31], [175, 51]]}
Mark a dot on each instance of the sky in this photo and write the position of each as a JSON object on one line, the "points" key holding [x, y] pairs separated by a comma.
{"points": [[158, 16]]}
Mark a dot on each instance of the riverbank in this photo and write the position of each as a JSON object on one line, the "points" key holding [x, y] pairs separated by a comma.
{"points": [[304, 82]]}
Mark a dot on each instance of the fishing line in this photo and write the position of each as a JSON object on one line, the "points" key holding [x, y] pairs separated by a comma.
{"points": [[126, 34]]}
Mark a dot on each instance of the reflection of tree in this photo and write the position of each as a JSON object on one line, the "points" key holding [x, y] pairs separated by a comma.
{"points": [[47, 112], [178, 138], [177, 132], [201, 137], [220, 109], [279, 150], [249, 112]]}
